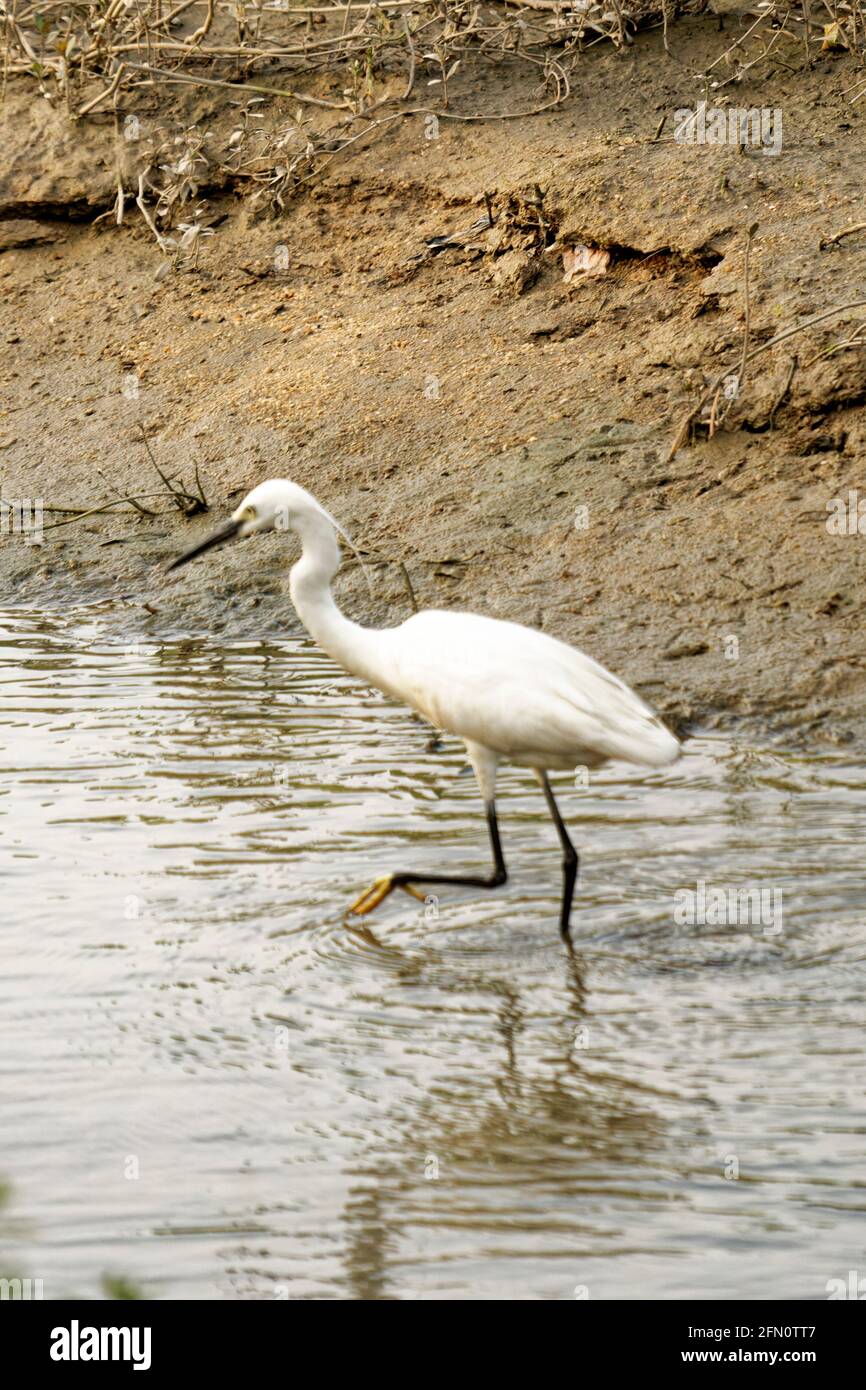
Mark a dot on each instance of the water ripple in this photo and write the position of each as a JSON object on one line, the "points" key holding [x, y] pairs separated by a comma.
{"points": [[217, 1086]]}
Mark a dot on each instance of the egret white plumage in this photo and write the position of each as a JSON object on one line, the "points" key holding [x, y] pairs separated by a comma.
{"points": [[511, 693]]}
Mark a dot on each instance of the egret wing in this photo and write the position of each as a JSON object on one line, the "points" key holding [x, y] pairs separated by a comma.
{"points": [[519, 691]]}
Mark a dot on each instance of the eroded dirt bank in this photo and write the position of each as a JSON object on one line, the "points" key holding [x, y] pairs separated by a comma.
{"points": [[459, 411]]}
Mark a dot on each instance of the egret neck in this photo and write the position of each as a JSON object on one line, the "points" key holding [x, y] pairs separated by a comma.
{"points": [[352, 646]]}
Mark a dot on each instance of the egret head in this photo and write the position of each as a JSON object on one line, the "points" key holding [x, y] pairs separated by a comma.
{"points": [[276, 505]]}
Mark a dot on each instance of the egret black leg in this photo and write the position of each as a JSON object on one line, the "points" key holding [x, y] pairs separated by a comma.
{"points": [[570, 860], [383, 886], [494, 880]]}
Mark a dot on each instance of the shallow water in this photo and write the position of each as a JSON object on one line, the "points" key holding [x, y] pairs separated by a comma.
{"points": [[214, 1088]]}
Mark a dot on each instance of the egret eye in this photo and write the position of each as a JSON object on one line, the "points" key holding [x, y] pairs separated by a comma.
{"points": [[248, 514]]}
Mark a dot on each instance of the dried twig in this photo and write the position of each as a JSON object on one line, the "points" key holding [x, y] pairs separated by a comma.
{"points": [[201, 32], [854, 340], [185, 502], [103, 96], [684, 430], [95, 511], [409, 587], [846, 231], [410, 81], [145, 511], [240, 87], [782, 396]]}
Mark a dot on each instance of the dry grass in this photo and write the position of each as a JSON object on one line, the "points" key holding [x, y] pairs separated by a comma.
{"points": [[350, 71], [90, 55], [787, 36], [93, 55]]}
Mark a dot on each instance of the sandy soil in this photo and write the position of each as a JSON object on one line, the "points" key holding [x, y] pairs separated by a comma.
{"points": [[458, 411]]}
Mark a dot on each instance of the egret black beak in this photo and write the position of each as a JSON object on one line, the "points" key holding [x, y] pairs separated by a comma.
{"points": [[224, 533]]}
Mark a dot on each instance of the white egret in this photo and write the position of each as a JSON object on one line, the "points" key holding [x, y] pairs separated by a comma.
{"points": [[512, 694]]}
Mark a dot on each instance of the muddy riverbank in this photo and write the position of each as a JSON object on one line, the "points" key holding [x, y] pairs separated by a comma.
{"points": [[467, 412]]}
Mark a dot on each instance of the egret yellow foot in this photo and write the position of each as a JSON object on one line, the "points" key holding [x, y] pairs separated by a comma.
{"points": [[378, 891]]}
